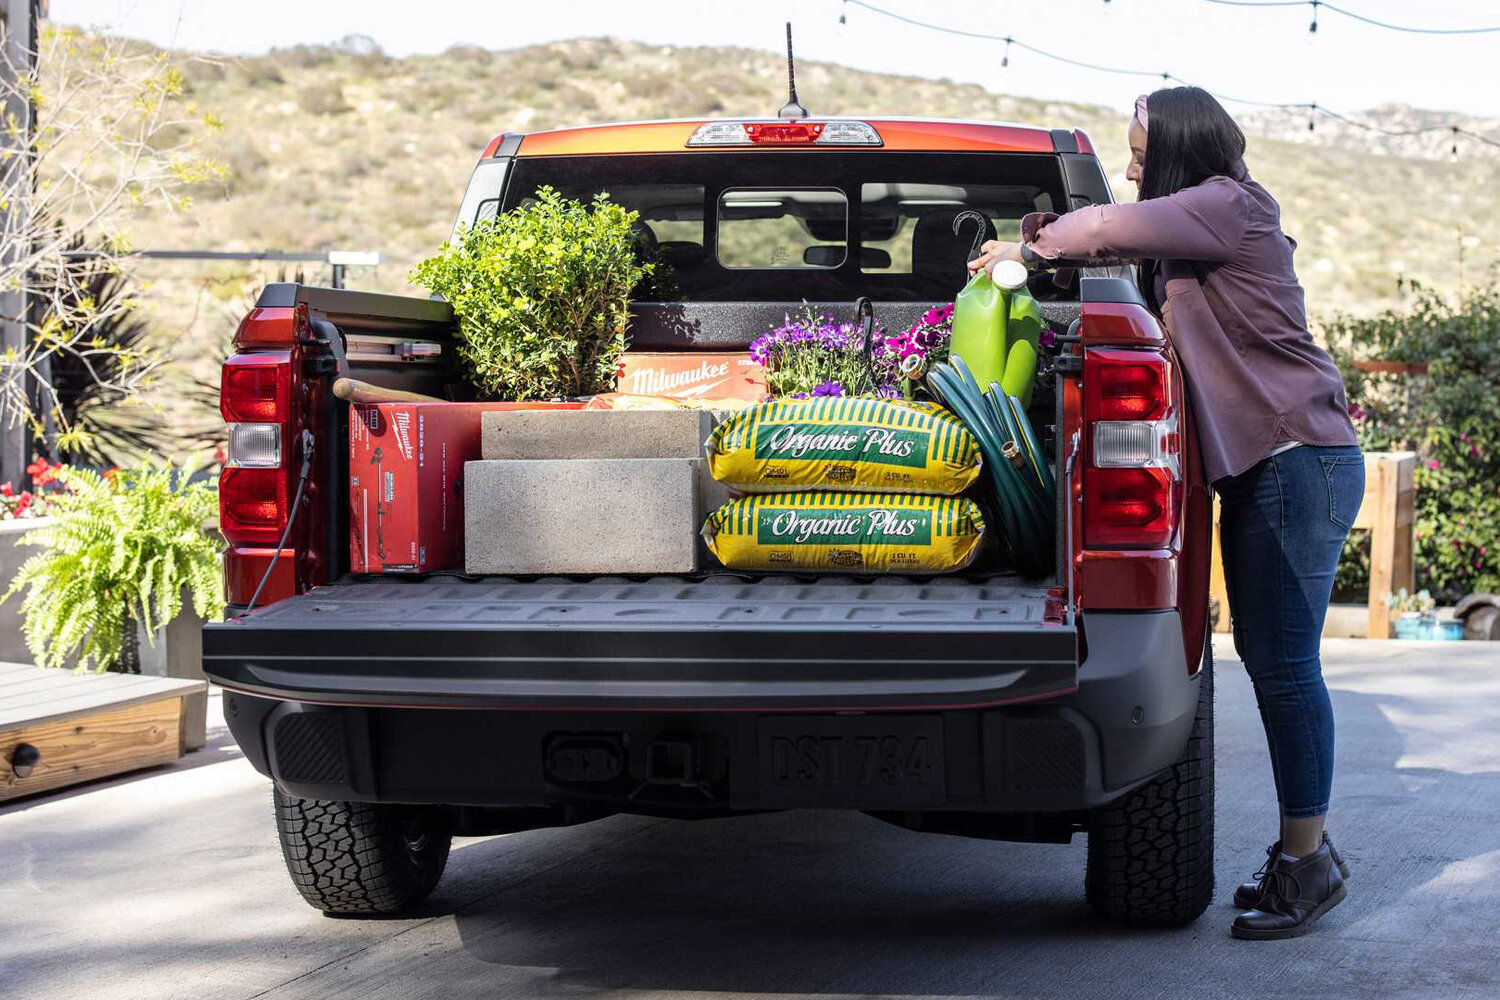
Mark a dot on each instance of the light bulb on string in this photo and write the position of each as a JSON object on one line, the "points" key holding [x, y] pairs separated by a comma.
{"points": [[1453, 153], [844, 19], [1312, 116], [1005, 59]]}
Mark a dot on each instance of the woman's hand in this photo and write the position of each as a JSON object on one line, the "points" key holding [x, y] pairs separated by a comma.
{"points": [[994, 250]]}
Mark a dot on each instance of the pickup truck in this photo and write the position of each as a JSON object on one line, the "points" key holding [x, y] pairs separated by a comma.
{"points": [[393, 713]]}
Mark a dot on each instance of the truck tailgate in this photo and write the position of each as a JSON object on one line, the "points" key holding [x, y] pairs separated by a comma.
{"points": [[721, 642]]}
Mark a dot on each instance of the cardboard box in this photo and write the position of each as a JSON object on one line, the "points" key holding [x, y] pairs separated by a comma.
{"points": [[406, 462], [692, 376]]}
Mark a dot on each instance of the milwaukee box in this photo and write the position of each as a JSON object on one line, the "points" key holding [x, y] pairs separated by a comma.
{"points": [[692, 376], [406, 466]]}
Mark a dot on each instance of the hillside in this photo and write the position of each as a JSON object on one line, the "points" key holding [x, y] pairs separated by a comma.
{"points": [[345, 147]]}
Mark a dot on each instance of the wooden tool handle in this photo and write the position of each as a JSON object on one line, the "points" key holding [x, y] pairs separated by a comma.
{"points": [[355, 391]]}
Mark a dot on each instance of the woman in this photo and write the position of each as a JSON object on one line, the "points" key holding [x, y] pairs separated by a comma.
{"points": [[1276, 437]]}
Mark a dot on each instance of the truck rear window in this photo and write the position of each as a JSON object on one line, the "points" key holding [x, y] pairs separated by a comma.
{"points": [[771, 226]]}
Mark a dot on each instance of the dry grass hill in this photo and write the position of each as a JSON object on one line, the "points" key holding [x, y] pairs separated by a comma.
{"points": [[345, 147]]}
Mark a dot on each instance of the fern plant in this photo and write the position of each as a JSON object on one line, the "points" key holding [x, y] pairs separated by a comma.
{"points": [[122, 549]]}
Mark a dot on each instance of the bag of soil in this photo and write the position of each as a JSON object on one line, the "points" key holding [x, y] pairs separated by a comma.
{"points": [[856, 445], [844, 532]]}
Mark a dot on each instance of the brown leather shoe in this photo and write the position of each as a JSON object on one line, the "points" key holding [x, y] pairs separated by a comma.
{"points": [[1296, 894], [1247, 894]]}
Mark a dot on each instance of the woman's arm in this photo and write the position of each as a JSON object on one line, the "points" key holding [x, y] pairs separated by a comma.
{"points": [[1205, 222]]}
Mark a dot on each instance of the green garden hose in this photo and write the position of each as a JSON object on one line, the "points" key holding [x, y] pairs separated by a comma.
{"points": [[1024, 497]]}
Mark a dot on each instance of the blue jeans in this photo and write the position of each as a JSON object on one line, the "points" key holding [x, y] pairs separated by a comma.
{"points": [[1282, 526]]}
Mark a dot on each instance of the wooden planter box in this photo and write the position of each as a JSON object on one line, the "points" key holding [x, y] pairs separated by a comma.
{"points": [[178, 651], [86, 726]]}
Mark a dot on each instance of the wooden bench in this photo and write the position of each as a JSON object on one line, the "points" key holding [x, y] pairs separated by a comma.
{"points": [[86, 726], [1388, 512]]}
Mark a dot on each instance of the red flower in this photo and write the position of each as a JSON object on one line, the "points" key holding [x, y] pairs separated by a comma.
{"points": [[7, 490], [24, 504], [1434, 464]]}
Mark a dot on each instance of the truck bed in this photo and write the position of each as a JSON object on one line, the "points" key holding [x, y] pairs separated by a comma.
{"points": [[717, 641]]}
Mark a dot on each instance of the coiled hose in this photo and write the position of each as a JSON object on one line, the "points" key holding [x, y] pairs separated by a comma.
{"points": [[1020, 478]]}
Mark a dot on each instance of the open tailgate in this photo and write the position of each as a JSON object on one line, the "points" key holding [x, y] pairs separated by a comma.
{"points": [[715, 643]]}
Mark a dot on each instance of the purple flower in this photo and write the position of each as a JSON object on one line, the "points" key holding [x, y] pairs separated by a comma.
{"points": [[1047, 338], [828, 389], [1356, 412]]}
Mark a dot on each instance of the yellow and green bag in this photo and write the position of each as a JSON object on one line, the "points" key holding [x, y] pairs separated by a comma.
{"points": [[859, 445], [859, 533]]}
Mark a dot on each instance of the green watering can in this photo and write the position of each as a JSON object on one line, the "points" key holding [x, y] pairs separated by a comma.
{"points": [[996, 327]]}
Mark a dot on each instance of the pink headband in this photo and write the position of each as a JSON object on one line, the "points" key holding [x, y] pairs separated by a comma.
{"points": [[1140, 111]]}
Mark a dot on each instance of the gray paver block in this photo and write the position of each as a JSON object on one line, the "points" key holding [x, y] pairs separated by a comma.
{"points": [[524, 516], [543, 434]]}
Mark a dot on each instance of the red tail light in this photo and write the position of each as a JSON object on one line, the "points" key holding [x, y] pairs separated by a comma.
{"points": [[255, 388], [1132, 485], [255, 398], [253, 505]]}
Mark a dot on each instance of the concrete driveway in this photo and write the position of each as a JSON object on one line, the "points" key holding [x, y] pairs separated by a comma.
{"points": [[170, 884]]}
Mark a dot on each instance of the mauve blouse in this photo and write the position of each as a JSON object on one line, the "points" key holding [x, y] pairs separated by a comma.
{"points": [[1232, 306]]}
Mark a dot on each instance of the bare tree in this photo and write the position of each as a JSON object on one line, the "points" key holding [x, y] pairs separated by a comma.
{"points": [[113, 132]]}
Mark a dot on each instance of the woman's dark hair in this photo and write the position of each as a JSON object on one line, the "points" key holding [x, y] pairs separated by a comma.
{"points": [[1190, 139]]}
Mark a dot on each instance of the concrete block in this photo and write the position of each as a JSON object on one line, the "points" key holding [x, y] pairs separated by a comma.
{"points": [[524, 516], [547, 434]]}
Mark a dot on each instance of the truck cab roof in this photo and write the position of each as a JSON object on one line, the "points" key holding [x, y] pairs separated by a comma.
{"points": [[934, 135]]}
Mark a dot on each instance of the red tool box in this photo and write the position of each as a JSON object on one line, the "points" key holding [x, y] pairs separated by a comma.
{"points": [[406, 466]]}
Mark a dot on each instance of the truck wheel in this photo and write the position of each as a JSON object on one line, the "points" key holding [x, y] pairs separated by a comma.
{"points": [[360, 857], [1151, 854]]}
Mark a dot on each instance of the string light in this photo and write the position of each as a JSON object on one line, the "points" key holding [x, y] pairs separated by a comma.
{"points": [[1316, 5], [1314, 109]]}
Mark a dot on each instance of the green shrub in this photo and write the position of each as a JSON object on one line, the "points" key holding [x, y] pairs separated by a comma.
{"points": [[1450, 416], [541, 295], [123, 548]]}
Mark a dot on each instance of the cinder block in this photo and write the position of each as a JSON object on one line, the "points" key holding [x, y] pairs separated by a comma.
{"points": [[524, 516], [537, 434]]}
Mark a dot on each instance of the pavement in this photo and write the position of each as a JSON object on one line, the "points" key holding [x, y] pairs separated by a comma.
{"points": [[170, 883]]}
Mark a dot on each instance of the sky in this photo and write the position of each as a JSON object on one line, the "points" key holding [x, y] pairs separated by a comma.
{"points": [[1265, 54]]}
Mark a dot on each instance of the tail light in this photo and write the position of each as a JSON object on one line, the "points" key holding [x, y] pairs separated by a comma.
{"points": [[1132, 482], [784, 133], [255, 400]]}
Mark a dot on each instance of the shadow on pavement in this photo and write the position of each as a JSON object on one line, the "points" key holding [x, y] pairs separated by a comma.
{"points": [[836, 903]]}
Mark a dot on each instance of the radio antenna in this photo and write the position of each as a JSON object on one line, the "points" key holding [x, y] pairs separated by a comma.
{"points": [[791, 109]]}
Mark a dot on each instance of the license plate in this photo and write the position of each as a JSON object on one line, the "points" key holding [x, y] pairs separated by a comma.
{"points": [[864, 762]]}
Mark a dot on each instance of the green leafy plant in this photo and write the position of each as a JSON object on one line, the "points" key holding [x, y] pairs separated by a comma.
{"points": [[1449, 415], [541, 294], [122, 549]]}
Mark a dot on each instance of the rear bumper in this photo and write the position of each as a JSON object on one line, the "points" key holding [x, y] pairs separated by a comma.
{"points": [[1016, 736]]}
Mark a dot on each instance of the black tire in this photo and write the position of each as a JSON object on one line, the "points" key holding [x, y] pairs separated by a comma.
{"points": [[358, 857], [1151, 853]]}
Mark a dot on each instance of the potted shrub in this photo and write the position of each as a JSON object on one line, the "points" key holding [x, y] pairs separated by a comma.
{"points": [[1416, 613], [541, 295], [120, 552]]}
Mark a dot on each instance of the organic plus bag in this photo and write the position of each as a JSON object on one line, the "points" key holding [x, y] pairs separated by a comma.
{"points": [[860, 445], [860, 533]]}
